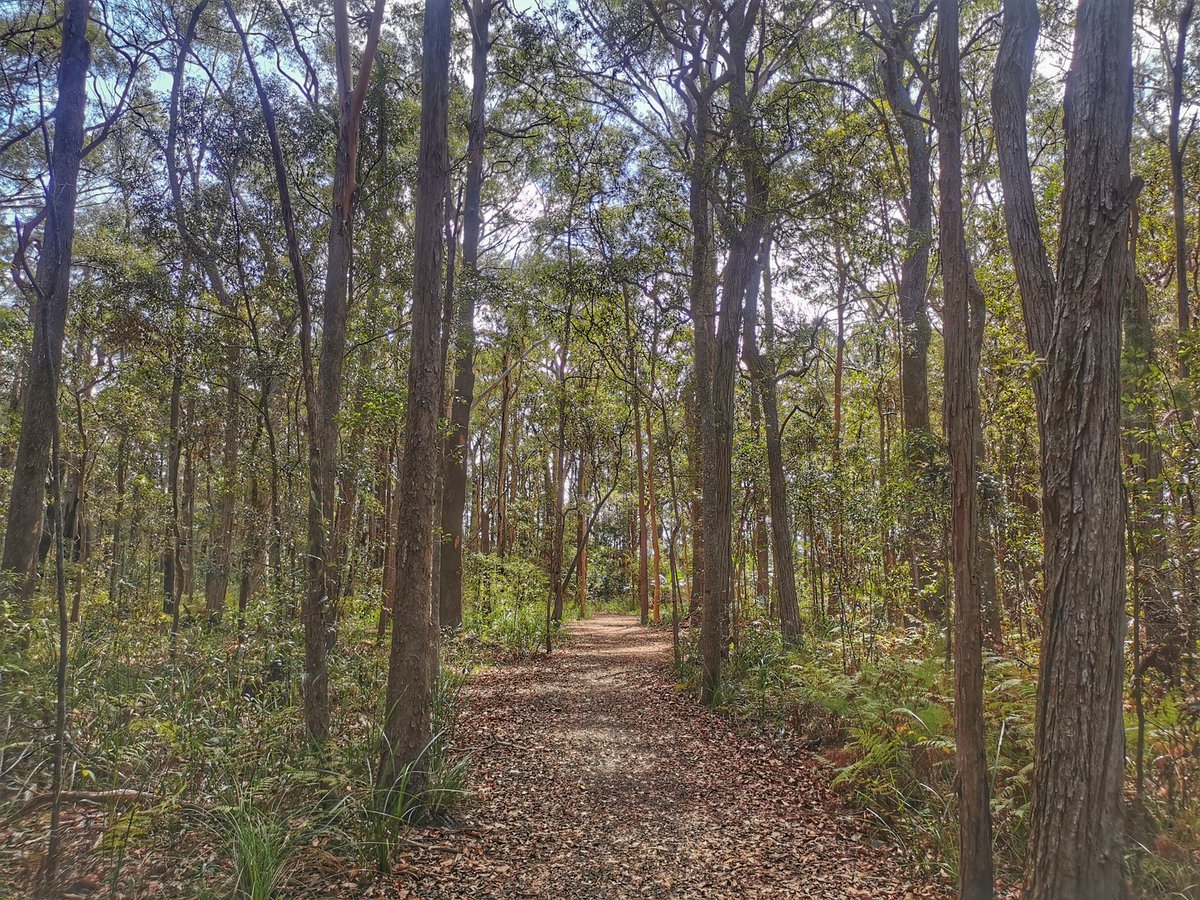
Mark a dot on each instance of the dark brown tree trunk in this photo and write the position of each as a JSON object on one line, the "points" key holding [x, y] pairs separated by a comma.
{"points": [[781, 528], [716, 361], [1076, 842], [962, 316], [454, 496], [914, 271], [409, 691], [51, 287]]}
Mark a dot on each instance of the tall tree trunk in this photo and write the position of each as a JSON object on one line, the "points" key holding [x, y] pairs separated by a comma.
{"points": [[695, 501], [216, 581], [323, 389], [174, 581], [1076, 843], [963, 310], [718, 361], [116, 558], [558, 481], [216, 578], [656, 589], [502, 462], [455, 478], [898, 30], [914, 271], [635, 398], [1176, 145], [581, 536], [409, 691], [1164, 630], [781, 528], [51, 288]]}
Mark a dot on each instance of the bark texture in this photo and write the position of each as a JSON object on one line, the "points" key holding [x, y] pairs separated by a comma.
{"points": [[763, 370], [454, 489], [962, 304], [408, 713], [1074, 320], [51, 288]]}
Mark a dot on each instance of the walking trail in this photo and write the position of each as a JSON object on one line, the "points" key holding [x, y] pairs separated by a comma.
{"points": [[594, 777]]}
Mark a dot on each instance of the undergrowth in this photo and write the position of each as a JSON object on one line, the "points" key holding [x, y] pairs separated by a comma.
{"points": [[214, 788], [886, 727]]}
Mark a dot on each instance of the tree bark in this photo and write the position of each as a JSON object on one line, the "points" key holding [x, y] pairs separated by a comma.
{"points": [[914, 270], [326, 551], [781, 528], [643, 570], [558, 480], [1076, 839], [962, 310], [409, 691], [717, 362], [581, 534], [1176, 145], [51, 286], [502, 463], [454, 496], [652, 498]]}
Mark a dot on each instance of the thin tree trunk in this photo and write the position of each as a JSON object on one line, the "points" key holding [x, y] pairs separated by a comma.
{"points": [[781, 527], [216, 578], [656, 595], [962, 316], [581, 537], [643, 573], [558, 478], [1177, 145], [1164, 631], [695, 502], [116, 558], [502, 463]]}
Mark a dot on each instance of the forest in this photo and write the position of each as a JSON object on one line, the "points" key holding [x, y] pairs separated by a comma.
{"points": [[600, 448]]}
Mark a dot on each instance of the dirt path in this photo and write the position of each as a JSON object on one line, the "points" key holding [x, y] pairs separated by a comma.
{"points": [[596, 778]]}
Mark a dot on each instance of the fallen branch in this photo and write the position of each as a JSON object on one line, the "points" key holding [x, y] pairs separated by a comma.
{"points": [[490, 746], [119, 795]]}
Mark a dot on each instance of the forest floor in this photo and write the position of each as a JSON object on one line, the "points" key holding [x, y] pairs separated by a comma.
{"points": [[594, 777]]}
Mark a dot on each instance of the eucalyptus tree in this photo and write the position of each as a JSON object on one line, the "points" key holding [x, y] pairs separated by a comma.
{"points": [[412, 661], [49, 288], [479, 17], [962, 313], [1076, 838]]}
